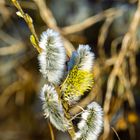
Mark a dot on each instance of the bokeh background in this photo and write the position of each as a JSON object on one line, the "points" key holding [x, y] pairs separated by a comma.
{"points": [[110, 27]]}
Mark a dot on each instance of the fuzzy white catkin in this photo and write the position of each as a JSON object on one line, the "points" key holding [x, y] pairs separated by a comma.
{"points": [[85, 58], [52, 108], [52, 58], [91, 124]]}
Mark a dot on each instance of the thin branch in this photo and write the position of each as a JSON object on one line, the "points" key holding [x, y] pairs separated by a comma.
{"points": [[129, 93], [29, 22], [46, 14], [103, 36], [125, 45], [116, 133], [90, 21], [51, 131], [12, 49]]}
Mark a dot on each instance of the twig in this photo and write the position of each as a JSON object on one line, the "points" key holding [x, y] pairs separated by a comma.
{"points": [[28, 5], [129, 95], [8, 92], [103, 36], [4, 12], [116, 133], [133, 69], [114, 45], [126, 43], [46, 14], [90, 21], [51, 131], [12, 49], [29, 21], [7, 38], [110, 61]]}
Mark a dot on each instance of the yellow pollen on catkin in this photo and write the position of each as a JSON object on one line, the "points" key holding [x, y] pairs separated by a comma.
{"points": [[77, 82]]}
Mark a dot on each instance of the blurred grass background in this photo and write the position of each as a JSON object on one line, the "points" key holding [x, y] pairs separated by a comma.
{"points": [[110, 27]]}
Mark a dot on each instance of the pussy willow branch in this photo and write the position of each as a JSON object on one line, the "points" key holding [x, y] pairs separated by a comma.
{"points": [[29, 22], [51, 24], [50, 21]]}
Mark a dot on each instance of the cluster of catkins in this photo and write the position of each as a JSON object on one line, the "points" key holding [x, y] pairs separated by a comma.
{"points": [[74, 79]]}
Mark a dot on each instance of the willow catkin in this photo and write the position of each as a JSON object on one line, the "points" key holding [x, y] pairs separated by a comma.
{"points": [[80, 77], [91, 124], [52, 107], [52, 58]]}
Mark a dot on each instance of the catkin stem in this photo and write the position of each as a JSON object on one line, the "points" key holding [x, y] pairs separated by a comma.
{"points": [[51, 131], [71, 130]]}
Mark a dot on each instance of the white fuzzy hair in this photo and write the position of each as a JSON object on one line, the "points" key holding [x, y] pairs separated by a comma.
{"points": [[52, 108], [91, 124], [85, 58], [52, 58]]}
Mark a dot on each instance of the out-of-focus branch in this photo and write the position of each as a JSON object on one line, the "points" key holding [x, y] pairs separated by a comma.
{"points": [[126, 43], [90, 21], [14, 45], [114, 45], [133, 70], [4, 12], [129, 93], [8, 92], [28, 5], [46, 14], [7, 38], [103, 36], [12, 49]]}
